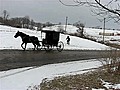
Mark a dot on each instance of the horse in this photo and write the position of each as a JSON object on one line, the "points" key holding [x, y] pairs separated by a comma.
{"points": [[28, 39]]}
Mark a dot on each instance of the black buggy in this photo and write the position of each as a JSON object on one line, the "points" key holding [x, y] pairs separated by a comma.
{"points": [[51, 40]]}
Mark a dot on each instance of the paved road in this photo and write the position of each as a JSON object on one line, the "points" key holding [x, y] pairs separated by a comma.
{"points": [[11, 59]]}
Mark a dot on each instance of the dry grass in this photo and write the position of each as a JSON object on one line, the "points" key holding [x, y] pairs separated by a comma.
{"points": [[85, 81]]}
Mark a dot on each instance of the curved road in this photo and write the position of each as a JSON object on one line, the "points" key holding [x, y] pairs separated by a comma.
{"points": [[11, 59]]}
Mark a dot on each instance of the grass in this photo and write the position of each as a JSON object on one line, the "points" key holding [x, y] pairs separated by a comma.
{"points": [[85, 81], [113, 45]]}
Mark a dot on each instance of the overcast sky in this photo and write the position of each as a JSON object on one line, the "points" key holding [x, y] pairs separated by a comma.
{"points": [[52, 11]]}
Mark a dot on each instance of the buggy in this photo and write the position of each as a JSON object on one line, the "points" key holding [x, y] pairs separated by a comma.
{"points": [[51, 40]]}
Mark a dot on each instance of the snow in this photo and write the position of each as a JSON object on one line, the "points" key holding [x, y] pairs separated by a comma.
{"points": [[94, 33], [27, 78], [7, 40], [21, 79], [109, 85]]}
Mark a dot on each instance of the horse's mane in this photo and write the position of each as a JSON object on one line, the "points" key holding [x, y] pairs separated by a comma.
{"points": [[23, 34]]}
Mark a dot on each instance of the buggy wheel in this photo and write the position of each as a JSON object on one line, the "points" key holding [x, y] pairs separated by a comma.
{"points": [[60, 46]]}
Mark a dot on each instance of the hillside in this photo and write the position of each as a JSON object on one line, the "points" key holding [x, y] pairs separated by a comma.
{"points": [[7, 40]]}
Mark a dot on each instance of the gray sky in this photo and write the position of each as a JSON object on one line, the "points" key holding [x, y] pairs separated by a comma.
{"points": [[52, 11]]}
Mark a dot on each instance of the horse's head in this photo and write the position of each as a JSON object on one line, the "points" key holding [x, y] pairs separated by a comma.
{"points": [[17, 34]]}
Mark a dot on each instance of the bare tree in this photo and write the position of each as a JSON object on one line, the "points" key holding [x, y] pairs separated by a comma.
{"points": [[5, 16], [81, 28], [39, 26], [32, 24], [103, 8], [1, 20], [26, 21]]}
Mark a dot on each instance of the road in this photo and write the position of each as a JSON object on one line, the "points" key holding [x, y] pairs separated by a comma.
{"points": [[12, 59]]}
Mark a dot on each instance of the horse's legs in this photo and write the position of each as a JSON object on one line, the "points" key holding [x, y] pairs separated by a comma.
{"points": [[25, 46], [34, 46], [22, 45], [37, 47]]}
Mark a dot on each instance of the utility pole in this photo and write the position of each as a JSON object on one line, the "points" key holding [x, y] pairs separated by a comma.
{"points": [[66, 23], [104, 31]]}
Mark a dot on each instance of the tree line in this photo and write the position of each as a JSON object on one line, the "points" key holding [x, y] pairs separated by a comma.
{"points": [[22, 22]]}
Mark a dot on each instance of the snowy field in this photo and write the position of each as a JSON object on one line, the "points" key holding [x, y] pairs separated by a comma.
{"points": [[111, 36], [7, 40], [23, 78]]}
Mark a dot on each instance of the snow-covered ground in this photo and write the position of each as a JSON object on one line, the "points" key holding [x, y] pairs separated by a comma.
{"points": [[21, 79], [27, 78], [111, 36], [7, 40]]}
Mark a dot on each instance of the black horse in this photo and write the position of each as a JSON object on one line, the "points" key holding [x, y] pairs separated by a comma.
{"points": [[28, 39]]}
